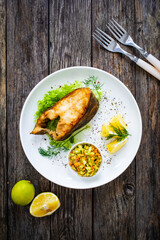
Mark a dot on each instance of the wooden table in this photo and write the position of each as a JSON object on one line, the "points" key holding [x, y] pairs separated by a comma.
{"points": [[38, 38]]}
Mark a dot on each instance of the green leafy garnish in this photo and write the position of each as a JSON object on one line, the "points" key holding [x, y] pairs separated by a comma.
{"points": [[111, 136], [58, 146], [50, 151], [52, 125], [52, 97], [119, 132], [93, 83]]}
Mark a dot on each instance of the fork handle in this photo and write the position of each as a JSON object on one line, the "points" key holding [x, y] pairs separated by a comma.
{"points": [[149, 68], [146, 66], [154, 61]]}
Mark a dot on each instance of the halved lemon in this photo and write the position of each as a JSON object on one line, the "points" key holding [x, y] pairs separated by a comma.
{"points": [[106, 130], [116, 145], [44, 204], [117, 121]]}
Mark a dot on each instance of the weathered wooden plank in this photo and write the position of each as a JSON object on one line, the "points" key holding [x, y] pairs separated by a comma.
{"points": [[147, 20], [3, 157], [27, 64], [27, 55], [70, 37], [114, 203]]}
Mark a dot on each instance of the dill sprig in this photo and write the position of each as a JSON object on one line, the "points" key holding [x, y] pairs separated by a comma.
{"points": [[119, 132], [111, 136], [51, 151], [93, 83], [92, 80]]}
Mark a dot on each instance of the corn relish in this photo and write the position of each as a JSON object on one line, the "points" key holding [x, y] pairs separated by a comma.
{"points": [[85, 159]]}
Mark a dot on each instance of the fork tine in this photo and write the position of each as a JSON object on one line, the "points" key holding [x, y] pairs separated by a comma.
{"points": [[100, 34], [105, 34], [116, 28], [122, 29], [99, 41], [110, 29]]}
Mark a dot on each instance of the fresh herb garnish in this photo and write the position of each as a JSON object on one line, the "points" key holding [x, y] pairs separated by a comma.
{"points": [[92, 80], [58, 146], [52, 125], [111, 136], [119, 132], [50, 151], [93, 83]]}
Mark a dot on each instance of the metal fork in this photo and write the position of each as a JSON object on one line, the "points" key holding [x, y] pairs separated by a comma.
{"points": [[123, 37], [111, 45]]}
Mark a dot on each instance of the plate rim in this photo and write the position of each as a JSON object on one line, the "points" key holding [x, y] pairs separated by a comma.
{"points": [[70, 68]]}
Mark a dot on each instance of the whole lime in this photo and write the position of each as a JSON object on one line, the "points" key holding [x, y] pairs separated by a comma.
{"points": [[23, 192]]}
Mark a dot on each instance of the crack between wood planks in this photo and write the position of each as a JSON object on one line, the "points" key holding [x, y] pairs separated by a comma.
{"points": [[6, 140], [135, 178], [6, 171], [135, 158], [92, 233], [50, 184], [48, 36], [91, 36]]}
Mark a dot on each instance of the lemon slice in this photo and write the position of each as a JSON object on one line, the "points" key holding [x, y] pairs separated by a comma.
{"points": [[116, 145], [44, 204], [117, 121], [106, 130]]}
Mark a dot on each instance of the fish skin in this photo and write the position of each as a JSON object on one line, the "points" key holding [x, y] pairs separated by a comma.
{"points": [[75, 110]]}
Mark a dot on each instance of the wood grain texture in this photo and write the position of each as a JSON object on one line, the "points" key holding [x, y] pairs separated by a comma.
{"points": [[147, 21], [70, 41], [3, 124], [40, 37], [114, 203], [27, 64]]}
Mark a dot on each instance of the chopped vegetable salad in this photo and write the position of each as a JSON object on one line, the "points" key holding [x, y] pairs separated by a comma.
{"points": [[85, 159]]}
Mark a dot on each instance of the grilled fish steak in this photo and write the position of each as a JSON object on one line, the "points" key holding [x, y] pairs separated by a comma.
{"points": [[75, 110]]}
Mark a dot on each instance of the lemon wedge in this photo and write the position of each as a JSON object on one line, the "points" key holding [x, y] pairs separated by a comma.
{"points": [[116, 130], [106, 130], [44, 204], [116, 145], [117, 121]]}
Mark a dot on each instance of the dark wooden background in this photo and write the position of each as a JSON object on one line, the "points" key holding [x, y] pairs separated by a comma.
{"points": [[38, 38]]}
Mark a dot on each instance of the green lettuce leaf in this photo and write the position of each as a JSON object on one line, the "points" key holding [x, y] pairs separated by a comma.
{"points": [[51, 97]]}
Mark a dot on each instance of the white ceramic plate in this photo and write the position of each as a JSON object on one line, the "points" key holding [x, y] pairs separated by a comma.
{"points": [[117, 99]]}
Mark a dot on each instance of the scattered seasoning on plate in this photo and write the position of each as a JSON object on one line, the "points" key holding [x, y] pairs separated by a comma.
{"points": [[93, 136]]}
